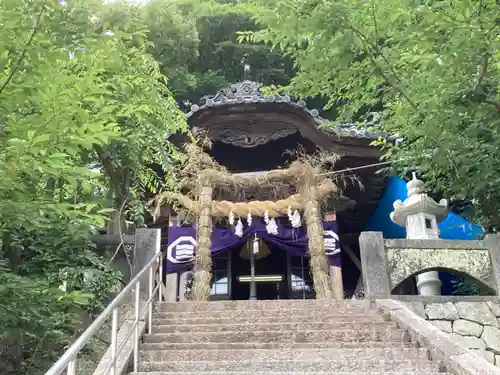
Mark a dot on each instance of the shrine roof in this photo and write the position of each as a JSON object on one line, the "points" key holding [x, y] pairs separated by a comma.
{"points": [[248, 92]]}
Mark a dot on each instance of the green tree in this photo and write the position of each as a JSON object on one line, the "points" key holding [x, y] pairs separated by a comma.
{"points": [[221, 58], [172, 36], [427, 72], [195, 44], [84, 113]]}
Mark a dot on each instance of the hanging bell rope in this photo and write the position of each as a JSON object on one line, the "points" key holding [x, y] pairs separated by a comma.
{"points": [[255, 247]]}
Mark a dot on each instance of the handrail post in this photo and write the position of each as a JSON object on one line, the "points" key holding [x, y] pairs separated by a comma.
{"points": [[160, 277], [114, 337], [72, 367], [136, 334], [68, 361], [150, 299]]}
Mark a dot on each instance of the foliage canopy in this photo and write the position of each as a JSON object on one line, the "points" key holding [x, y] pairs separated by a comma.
{"points": [[84, 112], [426, 71], [87, 101]]}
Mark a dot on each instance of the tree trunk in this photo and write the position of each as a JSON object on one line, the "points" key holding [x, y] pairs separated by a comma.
{"points": [[318, 262], [203, 263]]}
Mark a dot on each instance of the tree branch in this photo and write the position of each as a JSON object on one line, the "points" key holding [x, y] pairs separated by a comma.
{"points": [[375, 22], [482, 75], [122, 238], [25, 49], [32, 358], [369, 48], [114, 176], [376, 47]]}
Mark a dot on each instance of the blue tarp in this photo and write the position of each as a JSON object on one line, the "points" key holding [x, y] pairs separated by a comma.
{"points": [[453, 227]]}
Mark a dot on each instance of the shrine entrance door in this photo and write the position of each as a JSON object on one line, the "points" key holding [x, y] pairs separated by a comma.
{"points": [[271, 275]]}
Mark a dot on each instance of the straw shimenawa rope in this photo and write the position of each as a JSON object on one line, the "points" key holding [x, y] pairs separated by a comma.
{"points": [[256, 208], [198, 160], [318, 262], [203, 264], [223, 178]]}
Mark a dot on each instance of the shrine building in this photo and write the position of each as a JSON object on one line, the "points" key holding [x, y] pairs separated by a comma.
{"points": [[254, 255]]}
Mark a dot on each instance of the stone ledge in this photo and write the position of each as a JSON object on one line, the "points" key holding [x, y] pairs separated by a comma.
{"points": [[123, 358], [457, 358], [436, 244], [444, 299]]}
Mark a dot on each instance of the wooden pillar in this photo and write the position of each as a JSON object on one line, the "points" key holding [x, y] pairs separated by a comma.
{"points": [[183, 283], [318, 261], [335, 272], [203, 263], [171, 281]]}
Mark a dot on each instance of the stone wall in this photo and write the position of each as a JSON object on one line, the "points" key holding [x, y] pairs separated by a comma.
{"points": [[473, 323]]}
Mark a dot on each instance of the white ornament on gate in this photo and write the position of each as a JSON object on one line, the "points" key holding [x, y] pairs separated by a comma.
{"points": [[296, 220], [238, 230], [266, 217], [271, 227]]}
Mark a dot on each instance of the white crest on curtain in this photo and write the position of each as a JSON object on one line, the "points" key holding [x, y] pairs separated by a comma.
{"points": [[231, 218], [238, 230], [249, 219], [271, 227]]}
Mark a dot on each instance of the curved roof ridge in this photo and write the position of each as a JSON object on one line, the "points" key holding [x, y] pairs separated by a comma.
{"points": [[248, 92]]}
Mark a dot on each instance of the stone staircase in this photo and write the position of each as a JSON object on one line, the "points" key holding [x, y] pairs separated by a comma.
{"points": [[305, 337]]}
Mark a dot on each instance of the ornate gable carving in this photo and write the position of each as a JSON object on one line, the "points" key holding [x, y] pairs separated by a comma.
{"points": [[249, 133]]}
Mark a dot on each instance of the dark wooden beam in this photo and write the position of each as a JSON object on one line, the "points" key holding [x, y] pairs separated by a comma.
{"points": [[218, 117]]}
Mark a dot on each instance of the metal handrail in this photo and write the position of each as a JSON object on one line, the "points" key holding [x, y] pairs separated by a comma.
{"points": [[68, 359]]}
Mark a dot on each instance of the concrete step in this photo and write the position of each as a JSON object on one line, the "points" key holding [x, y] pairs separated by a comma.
{"points": [[353, 334], [292, 366], [158, 319], [257, 326], [287, 315], [389, 354], [262, 305], [162, 345]]}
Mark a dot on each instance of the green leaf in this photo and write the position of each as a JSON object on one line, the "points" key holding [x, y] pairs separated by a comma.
{"points": [[40, 139]]}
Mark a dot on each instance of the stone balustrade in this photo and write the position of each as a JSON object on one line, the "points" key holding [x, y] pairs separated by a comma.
{"points": [[388, 263]]}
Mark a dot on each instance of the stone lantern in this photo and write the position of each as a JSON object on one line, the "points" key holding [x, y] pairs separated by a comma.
{"points": [[420, 215]]}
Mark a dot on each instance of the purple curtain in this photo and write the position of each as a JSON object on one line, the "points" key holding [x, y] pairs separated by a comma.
{"points": [[182, 242]]}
